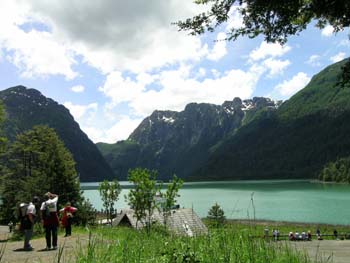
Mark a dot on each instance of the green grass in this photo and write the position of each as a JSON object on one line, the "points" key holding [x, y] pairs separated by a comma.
{"points": [[227, 244], [237, 241]]}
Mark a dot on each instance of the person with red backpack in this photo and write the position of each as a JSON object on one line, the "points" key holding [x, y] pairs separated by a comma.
{"points": [[50, 219], [67, 217]]}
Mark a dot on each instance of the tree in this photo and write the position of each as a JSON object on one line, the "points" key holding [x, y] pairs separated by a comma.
{"points": [[337, 171], [274, 19], [109, 192], [86, 213], [3, 140], [345, 78], [38, 162], [216, 215], [142, 197], [170, 196]]}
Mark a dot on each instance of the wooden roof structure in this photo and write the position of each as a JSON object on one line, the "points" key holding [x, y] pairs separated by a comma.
{"points": [[182, 221]]}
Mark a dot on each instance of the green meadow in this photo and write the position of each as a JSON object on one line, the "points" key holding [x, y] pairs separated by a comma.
{"points": [[234, 242]]}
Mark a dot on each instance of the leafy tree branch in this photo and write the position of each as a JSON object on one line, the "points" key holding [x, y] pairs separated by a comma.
{"points": [[274, 19]]}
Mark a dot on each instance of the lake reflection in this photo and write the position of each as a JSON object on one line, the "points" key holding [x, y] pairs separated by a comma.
{"points": [[288, 200]]}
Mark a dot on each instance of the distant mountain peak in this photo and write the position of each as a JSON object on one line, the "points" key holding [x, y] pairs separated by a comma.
{"points": [[26, 108], [180, 142], [24, 95]]}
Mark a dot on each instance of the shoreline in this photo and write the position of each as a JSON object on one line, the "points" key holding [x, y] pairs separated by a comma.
{"points": [[128, 185], [264, 222], [316, 181]]}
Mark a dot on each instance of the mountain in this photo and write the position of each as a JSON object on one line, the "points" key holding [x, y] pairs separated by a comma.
{"points": [[28, 107], [309, 130], [181, 142], [251, 139]]}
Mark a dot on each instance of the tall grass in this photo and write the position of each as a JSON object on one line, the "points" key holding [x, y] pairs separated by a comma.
{"points": [[226, 244], [2, 250]]}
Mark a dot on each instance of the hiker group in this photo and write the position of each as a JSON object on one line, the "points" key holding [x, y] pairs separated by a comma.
{"points": [[304, 236], [49, 216]]}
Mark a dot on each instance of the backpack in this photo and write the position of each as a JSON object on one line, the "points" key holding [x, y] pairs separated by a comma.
{"points": [[46, 212], [22, 210], [23, 217]]}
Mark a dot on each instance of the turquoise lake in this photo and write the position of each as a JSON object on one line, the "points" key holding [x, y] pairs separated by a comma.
{"points": [[291, 200]]}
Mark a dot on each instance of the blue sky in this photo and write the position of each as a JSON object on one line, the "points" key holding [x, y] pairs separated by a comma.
{"points": [[112, 63]]}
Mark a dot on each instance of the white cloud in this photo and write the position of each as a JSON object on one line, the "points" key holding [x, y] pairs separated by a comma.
{"points": [[327, 31], [216, 73], [314, 60], [289, 87], [79, 111], [201, 73], [219, 49], [38, 54], [111, 35], [235, 19], [276, 66], [121, 89], [114, 35], [178, 88], [94, 134], [338, 57], [78, 88], [34, 52], [268, 49], [120, 131]]}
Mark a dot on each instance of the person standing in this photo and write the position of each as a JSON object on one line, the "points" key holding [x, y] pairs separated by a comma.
{"points": [[50, 219], [10, 225], [318, 234], [67, 217], [335, 234], [27, 223]]}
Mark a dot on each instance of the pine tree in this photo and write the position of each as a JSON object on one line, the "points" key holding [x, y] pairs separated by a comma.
{"points": [[216, 215], [38, 162]]}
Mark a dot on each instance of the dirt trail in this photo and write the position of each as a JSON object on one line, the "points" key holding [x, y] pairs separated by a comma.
{"points": [[13, 251], [336, 251]]}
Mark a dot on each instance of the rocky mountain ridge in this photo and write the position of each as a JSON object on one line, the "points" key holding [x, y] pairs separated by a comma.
{"points": [[180, 142]]}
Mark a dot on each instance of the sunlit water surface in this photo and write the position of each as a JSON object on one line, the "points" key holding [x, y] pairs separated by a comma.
{"points": [[291, 200]]}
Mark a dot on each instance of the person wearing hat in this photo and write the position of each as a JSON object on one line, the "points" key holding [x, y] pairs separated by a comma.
{"points": [[50, 219], [28, 223]]}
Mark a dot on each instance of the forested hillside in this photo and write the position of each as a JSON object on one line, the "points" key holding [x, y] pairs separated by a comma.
{"points": [[296, 141], [26, 108]]}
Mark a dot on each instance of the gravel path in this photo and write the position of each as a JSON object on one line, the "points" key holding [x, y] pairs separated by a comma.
{"points": [[335, 251], [13, 251]]}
